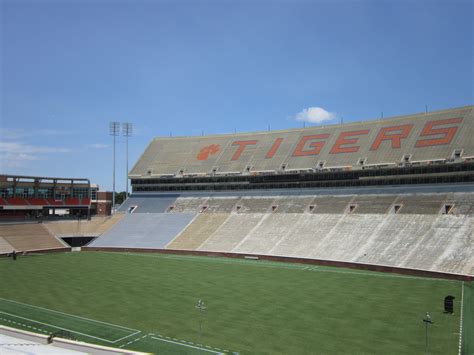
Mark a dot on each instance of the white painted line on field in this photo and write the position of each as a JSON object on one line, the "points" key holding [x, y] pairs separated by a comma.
{"points": [[189, 346], [288, 266], [24, 325], [127, 336], [460, 320], [134, 341], [70, 315], [55, 326]]}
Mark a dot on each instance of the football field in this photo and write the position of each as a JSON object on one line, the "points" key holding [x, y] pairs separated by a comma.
{"points": [[147, 302]]}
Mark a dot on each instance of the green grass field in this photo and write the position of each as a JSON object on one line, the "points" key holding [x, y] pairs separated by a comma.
{"points": [[146, 302]]}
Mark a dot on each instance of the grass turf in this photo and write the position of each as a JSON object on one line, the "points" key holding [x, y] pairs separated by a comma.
{"points": [[252, 306]]}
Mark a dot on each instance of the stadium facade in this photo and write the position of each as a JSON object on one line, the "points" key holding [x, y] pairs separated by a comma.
{"points": [[393, 193]]}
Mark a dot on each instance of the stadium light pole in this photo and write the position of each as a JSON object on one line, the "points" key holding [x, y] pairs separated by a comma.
{"points": [[114, 130], [127, 130]]}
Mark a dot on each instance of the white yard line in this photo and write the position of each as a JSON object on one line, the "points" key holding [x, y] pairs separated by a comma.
{"points": [[55, 326], [189, 346], [71, 315], [460, 320]]}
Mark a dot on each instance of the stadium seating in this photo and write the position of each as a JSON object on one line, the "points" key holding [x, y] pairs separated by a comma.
{"points": [[188, 204], [148, 204], [421, 203], [222, 204], [292, 204], [373, 232], [82, 228], [230, 233], [199, 231], [144, 230], [5, 247], [288, 149], [379, 204], [28, 237]]}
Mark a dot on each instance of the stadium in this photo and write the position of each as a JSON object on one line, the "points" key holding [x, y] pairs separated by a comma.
{"points": [[329, 239]]}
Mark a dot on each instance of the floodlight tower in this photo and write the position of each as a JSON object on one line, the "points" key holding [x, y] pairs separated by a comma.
{"points": [[127, 130], [114, 130]]}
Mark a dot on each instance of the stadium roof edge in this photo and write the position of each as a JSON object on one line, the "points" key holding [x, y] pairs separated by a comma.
{"points": [[352, 123]]}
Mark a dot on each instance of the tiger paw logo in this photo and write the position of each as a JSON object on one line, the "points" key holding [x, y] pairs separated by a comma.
{"points": [[207, 150]]}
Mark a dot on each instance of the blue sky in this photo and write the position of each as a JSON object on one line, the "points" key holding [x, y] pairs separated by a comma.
{"points": [[187, 67]]}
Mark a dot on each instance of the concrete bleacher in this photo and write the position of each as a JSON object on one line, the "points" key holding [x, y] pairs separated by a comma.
{"points": [[75, 228], [5, 247], [28, 237], [292, 204], [148, 204], [254, 204], [222, 204], [418, 235], [307, 234], [379, 204], [271, 229], [144, 230], [432, 242], [199, 231], [331, 204], [189, 204], [230, 233], [183, 155], [463, 203], [421, 203]]}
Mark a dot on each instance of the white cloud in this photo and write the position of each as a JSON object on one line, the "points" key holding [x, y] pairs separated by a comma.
{"points": [[14, 154], [314, 115], [97, 146]]}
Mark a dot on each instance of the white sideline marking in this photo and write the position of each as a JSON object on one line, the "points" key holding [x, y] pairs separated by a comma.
{"points": [[127, 336], [55, 326], [270, 264], [70, 315], [189, 346], [460, 320], [24, 325]]}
